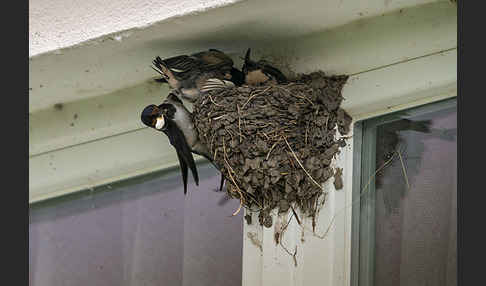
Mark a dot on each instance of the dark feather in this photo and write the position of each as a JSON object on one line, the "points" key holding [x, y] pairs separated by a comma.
{"points": [[274, 73], [161, 80], [177, 139], [267, 69], [237, 77], [222, 183], [182, 67], [183, 166], [214, 84], [168, 110]]}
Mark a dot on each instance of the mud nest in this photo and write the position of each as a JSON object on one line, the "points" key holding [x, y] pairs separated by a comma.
{"points": [[274, 144]]}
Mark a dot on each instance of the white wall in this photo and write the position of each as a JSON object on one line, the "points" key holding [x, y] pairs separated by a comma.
{"points": [[406, 57]]}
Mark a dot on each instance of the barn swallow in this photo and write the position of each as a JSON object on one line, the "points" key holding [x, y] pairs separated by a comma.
{"points": [[172, 118], [261, 72], [189, 73]]}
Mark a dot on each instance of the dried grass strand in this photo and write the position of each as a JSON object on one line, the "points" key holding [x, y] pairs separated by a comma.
{"points": [[297, 159]]}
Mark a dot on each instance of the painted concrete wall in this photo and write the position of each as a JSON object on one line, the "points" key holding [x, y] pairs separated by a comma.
{"points": [[56, 24]]}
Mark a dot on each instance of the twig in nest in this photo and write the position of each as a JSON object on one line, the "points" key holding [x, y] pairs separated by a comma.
{"points": [[297, 159], [232, 179], [230, 133], [214, 102], [295, 214], [225, 156], [241, 204], [285, 226], [327, 230], [280, 233], [306, 131], [219, 117], [301, 97], [211, 144], [273, 146], [291, 162], [289, 253], [314, 222], [239, 121], [305, 97], [314, 216], [256, 93], [266, 136]]}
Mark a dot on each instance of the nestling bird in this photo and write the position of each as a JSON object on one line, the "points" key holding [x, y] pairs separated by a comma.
{"points": [[261, 72], [172, 118], [188, 74]]}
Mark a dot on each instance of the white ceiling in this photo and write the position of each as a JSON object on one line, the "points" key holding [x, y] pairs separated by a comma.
{"points": [[55, 24]]}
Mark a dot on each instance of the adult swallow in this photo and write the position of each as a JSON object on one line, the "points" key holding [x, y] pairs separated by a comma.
{"points": [[172, 118], [261, 72], [189, 73]]}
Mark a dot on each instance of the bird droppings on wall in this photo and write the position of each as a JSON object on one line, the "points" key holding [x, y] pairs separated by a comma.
{"points": [[58, 106], [254, 240], [275, 143], [338, 179]]}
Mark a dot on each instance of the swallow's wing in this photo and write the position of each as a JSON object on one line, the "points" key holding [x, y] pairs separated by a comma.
{"points": [[273, 73], [214, 59], [177, 139], [183, 166], [214, 84], [237, 76], [177, 65]]}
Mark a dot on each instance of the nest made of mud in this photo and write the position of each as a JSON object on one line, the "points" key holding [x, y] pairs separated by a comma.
{"points": [[275, 143]]}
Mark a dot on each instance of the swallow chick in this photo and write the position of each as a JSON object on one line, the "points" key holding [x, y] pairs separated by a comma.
{"points": [[172, 118], [261, 72], [188, 74]]}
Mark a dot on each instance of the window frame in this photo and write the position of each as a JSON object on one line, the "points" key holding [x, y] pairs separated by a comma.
{"points": [[364, 166]]}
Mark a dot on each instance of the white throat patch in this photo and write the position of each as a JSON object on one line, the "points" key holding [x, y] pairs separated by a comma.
{"points": [[159, 124]]}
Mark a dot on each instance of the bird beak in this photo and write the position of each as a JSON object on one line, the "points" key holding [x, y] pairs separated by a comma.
{"points": [[160, 123]]}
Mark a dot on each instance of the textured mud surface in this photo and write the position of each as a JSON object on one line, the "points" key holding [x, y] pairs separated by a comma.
{"points": [[274, 144]]}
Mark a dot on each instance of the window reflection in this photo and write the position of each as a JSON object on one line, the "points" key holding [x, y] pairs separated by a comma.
{"points": [[416, 218], [142, 233]]}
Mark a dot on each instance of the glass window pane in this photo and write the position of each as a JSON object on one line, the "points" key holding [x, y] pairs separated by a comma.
{"points": [[415, 217], [145, 232]]}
